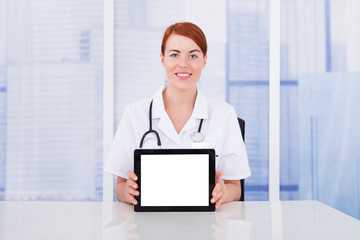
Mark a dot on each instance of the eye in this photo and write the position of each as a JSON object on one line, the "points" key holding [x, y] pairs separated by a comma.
{"points": [[174, 55], [193, 56]]}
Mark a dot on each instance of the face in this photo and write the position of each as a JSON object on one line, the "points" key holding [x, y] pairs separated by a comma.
{"points": [[183, 62]]}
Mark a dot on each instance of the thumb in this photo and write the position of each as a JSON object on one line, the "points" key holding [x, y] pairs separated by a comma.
{"points": [[219, 174]]}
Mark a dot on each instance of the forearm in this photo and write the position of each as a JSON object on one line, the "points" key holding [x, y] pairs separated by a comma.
{"points": [[233, 192]]}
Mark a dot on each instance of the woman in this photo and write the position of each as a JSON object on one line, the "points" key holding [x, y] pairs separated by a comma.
{"points": [[178, 108]]}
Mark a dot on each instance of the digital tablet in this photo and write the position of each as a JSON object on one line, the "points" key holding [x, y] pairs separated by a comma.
{"points": [[174, 179]]}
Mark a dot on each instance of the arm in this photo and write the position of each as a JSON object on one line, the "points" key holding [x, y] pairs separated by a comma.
{"points": [[126, 189], [233, 188], [225, 190]]}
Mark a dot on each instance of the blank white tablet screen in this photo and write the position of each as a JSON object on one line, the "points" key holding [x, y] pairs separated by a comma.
{"points": [[175, 180]]}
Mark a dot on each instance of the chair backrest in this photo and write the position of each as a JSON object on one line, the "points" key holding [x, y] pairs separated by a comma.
{"points": [[242, 181]]}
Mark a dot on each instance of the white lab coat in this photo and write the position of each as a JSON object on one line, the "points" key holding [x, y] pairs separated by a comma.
{"points": [[220, 128]]}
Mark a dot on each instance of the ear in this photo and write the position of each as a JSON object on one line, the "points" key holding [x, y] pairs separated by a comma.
{"points": [[205, 59], [162, 59]]}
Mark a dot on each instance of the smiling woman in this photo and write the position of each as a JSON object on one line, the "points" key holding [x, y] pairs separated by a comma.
{"points": [[183, 54], [183, 60], [177, 111]]}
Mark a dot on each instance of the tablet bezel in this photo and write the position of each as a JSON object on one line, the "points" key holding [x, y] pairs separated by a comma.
{"points": [[212, 178]]}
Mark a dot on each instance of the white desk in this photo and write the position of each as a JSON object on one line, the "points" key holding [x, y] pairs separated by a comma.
{"points": [[236, 220]]}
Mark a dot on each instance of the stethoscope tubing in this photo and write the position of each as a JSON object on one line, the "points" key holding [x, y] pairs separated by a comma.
{"points": [[155, 132], [150, 129]]}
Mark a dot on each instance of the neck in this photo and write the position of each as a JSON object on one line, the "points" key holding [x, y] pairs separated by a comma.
{"points": [[174, 98]]}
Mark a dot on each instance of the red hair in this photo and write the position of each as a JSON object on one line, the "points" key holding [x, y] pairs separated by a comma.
{"points": [[186, 29]]}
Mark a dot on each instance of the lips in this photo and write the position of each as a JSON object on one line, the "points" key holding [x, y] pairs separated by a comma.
{"points": [[183, 75]]}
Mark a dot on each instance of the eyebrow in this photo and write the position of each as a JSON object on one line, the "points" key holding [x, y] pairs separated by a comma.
{"points": [[195, 50], [174, 50]]}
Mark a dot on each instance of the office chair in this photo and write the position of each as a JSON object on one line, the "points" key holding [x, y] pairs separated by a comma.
{"points": [[242, 181]]}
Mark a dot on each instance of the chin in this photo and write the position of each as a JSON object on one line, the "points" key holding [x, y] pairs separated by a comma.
{"points": [[184, 86]]}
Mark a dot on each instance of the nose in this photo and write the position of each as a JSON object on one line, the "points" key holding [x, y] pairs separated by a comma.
{"points": [[182, 62]]}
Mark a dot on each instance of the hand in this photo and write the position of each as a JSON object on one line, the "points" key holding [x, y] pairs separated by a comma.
{"points": [[219, 190], [131, 186]]}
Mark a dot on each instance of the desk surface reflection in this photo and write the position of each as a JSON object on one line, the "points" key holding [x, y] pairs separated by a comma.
{"points": [[175, 225], [236, 220]]}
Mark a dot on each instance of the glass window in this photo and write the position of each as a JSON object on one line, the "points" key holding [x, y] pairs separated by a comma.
{"points": [[248, 85], [51, 100], [320, 84]]}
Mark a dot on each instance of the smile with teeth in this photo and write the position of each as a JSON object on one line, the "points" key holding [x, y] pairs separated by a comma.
{"points": [[183, 74]]}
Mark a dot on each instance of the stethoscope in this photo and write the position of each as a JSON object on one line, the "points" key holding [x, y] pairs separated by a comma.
{"points": [[195, 136]]}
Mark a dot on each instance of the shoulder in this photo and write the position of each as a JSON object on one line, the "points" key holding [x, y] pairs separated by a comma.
{"points": [[219, 107], [138, 108]]}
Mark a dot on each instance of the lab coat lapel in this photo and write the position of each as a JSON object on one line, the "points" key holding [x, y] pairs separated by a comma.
{"points": [[164, 125], [200, 112], [191, 123], [201, 107], [167, 128]]}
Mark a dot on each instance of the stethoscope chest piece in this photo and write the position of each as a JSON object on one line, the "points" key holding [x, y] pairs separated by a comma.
{"points": [[197, 137]]}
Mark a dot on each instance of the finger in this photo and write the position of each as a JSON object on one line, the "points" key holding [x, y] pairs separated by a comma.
{"points": [[217, 189], [132, 199], [220, 185], [218, 175], [218, 203], [132, 176], [216, 196], [133, 191], [131, 184]]}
